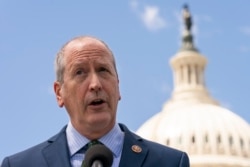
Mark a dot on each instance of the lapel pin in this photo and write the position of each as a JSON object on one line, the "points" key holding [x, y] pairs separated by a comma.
{"points": [[136, 148]]}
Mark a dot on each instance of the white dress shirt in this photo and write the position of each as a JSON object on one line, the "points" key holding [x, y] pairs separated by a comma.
{"points": [[113, 140]]}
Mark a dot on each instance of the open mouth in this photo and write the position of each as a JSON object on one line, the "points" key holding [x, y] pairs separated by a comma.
{"points": [[97, 102]]}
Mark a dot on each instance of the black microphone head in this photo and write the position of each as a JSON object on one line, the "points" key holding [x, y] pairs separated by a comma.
{"points": [[98, 152]]}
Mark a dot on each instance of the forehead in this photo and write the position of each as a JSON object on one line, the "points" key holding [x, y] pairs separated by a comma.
{"points": [[86, 49]]}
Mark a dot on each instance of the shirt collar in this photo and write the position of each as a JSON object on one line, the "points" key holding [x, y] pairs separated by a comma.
{"points": [[75, 140], [113, 139]]}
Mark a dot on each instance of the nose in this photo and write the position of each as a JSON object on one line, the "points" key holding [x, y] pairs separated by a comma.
{"points": [[95, 84]]}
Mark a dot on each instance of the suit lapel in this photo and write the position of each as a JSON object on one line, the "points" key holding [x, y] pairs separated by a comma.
{"points": [[133, 150], [57, 153]]}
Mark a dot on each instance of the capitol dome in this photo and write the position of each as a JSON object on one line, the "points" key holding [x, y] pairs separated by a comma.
{"points": [[210, 134], [193, 121]]}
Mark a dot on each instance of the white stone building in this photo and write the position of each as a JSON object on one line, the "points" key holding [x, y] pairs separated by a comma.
{"points": [[193, 121]]}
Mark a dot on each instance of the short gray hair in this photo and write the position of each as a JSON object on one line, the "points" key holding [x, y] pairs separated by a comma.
{"points": [[60, 57]]}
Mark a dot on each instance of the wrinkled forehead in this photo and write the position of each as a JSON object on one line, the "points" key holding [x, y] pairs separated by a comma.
{"points": [[84, 49], [87, 46]]}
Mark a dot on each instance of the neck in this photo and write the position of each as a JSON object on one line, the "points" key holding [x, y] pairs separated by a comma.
{"points": [[93, 132]]}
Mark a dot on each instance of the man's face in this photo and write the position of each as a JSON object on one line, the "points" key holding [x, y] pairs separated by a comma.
{"points": [[90, 90]]}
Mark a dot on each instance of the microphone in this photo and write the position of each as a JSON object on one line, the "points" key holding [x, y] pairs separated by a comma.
{"points": [[98, 156]]}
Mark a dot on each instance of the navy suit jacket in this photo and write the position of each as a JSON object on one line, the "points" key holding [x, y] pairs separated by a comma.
{"points": [[55, 153]]}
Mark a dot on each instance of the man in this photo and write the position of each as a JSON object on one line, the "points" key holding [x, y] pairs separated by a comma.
{"points": [[87, 85]]}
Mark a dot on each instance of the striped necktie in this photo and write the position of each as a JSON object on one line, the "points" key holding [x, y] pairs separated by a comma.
{"points": [[92, 143]]}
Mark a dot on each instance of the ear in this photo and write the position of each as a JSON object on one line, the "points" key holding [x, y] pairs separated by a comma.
{"points": [[119, 96], [58, 93]]}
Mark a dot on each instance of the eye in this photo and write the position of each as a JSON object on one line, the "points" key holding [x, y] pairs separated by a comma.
{"points": [[103, 69], [79, 72]]}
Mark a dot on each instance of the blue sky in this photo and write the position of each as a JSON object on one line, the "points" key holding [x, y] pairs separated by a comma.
{"points": [[143, 35]]}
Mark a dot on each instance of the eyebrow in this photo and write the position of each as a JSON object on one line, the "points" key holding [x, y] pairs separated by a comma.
{"points": [[98, 63], [107, 65]]}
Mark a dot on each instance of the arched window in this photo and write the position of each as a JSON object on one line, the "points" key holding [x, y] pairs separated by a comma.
{"points": [[168, 142], [193, 139], [206, 138], [189, 73], [218, 139], [230, 141], [241, 143]]}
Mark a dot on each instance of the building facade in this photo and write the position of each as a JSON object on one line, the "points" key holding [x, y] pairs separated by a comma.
{"points": [[193, 121]]}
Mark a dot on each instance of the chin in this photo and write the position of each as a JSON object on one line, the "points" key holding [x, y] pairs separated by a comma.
{"points": [[101, 121]]}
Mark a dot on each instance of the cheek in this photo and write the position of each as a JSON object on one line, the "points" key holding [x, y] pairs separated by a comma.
{"points": [[69, 94]]}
